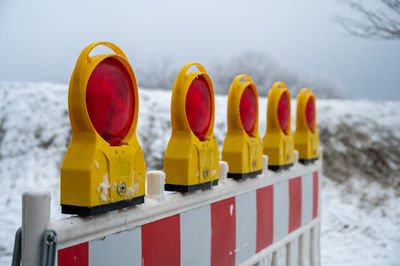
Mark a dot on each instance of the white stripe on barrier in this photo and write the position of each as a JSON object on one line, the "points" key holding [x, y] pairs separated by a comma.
{"points": [[281, 210], [306, 198], [120, 249], [196, 237], [128, 246], [246, 226]]}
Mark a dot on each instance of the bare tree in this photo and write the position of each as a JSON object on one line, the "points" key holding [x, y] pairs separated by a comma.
{"points": [[259, 66], [265, 72], [380, 23], [322, 87], [159, 74], [256, 64]]}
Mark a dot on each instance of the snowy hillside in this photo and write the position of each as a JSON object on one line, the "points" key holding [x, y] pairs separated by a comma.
{"points": [[361, 198]]}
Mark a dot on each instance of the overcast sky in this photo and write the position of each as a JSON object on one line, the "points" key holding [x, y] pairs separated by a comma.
{"points": [[41, 40]]}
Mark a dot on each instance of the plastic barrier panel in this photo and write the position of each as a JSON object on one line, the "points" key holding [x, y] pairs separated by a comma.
{"points": [[242, 148], [191, 158], [233, 223], [306, 139], [104, 167]]}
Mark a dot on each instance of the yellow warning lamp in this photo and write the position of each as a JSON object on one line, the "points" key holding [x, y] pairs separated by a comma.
{"points": [[103, 168], [242, 148], [278, 140], [306, 139], [191, 159]]}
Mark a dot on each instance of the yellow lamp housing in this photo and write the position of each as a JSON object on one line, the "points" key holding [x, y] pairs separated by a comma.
{"points": [[278, 140], [306, 139], [242, 148], [191, 161], [104, 167]]}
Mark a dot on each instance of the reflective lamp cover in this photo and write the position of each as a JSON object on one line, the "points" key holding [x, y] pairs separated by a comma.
{"points": [[283, 112], [310, 114], [198, 107], [248, 110], [110, 100]]}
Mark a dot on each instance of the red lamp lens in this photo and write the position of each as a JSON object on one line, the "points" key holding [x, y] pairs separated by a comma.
{"points": [[310, 114], [283, 112], [198, 107], [248, 110], [110, 100]]}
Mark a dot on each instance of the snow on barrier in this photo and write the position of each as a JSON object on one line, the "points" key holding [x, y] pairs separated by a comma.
{"points": [[272, 219]]}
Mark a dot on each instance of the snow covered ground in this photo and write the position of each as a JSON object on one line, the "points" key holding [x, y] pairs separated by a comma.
{"points": [[361, 204]]}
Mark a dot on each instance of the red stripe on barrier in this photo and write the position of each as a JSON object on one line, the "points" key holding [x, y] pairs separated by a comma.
{"points": [[265, 217], [161, 242], [77, 255], [294, 203], [315, 195], [223, 232]]}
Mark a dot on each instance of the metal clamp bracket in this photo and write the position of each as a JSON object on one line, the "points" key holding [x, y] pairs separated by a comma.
{"points": [[16, 258], [48, 248]]}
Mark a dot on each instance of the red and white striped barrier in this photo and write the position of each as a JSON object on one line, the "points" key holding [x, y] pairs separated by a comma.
{"points": [[226, 232], [272, 218]]}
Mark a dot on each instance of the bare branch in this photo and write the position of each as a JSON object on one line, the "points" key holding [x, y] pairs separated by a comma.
{"points": [[382, 23], [393, 5]]}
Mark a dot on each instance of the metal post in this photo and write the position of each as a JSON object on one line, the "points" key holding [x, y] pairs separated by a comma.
{"points": [[35, 220]]}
